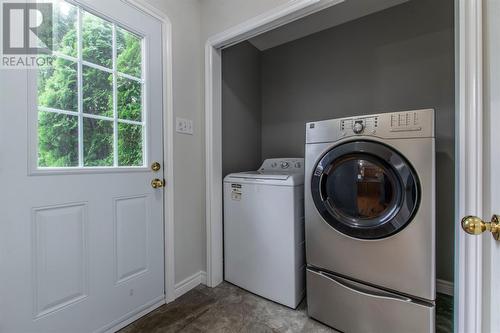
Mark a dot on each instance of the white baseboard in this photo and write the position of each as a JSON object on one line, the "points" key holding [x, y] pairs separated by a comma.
{"points": [[444, 287], [189, 283], [203, 278], [132, 316]]}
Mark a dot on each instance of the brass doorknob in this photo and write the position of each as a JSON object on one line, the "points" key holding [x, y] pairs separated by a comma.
{"points": [[157, 183], [473, 225]]}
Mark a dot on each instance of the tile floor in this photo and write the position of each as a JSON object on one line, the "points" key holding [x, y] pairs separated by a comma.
{"points": [[228, 308]]}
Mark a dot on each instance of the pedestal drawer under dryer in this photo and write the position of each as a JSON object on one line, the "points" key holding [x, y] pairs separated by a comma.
{"points": [[353, 307]]}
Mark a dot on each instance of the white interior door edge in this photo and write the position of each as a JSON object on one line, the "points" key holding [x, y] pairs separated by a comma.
{"points": [[168, 141]]}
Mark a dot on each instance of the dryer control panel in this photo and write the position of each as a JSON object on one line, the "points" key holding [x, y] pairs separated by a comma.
{"points": [[394, 125], [360, 125]]}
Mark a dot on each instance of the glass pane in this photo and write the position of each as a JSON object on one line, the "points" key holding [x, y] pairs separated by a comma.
{"points": [[65, 28], [360, 189], [128, 52], [130, 145], [57, 140], [97, 92], [58, 85], [58, 88], [129, 99], [97, 40], [97, 142]]}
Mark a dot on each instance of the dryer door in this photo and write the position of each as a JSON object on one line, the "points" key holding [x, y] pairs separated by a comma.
{"points": [[365, 189]]}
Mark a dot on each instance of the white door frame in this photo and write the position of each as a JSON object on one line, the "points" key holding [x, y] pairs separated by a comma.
{"points": [[469, 162], [468, 275], [168, 142]]}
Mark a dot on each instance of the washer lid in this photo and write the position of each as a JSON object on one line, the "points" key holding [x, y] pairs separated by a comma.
{"points": [[260, 175], [268, 178], [273, 171]]}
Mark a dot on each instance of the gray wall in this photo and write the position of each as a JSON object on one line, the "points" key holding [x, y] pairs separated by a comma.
{"points": [[241, 108], [398, 59]]}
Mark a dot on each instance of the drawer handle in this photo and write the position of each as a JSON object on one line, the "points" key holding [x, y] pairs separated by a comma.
{"points": [[362, 289]]}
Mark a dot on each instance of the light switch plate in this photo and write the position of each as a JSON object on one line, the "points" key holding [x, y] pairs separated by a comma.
{"points": [[184, 126]]}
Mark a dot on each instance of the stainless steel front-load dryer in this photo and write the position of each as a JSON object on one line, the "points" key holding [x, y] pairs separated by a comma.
{"points": [[370, 225]]}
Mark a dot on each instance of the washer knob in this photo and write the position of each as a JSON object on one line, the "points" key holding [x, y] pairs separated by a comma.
{"points": [[358, 128], [285, 165]]}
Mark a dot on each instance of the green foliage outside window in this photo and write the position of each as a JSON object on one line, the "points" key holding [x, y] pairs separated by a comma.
{"points": [[58, 89]]}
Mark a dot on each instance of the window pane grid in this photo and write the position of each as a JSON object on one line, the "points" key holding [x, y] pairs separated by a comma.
{"points": [[93, 116], [90, 124], [54, 110], [80, 90], [115, 105], [130, 77], [96, 66]]}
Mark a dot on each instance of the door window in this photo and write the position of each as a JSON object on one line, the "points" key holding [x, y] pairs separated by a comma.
{"points": [[91, 110]]}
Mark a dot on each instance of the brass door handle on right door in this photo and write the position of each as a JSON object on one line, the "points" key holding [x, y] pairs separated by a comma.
{"points": [[473, 225]]}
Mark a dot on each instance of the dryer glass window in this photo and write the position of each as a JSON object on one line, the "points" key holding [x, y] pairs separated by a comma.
{"points": [[360, 190], [365, 189]]}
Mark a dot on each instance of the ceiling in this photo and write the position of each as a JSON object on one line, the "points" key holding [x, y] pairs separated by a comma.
{"points": [[335, 15]]}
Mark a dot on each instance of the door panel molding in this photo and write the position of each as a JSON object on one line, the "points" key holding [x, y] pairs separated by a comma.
{"points": [[60, 270], [131, 229]]}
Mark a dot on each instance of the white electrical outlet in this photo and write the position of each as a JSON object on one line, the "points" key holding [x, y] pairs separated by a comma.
{"points": [[184, 126]]}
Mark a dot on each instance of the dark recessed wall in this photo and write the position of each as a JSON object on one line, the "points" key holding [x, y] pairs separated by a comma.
{"points": [[241, 108]]}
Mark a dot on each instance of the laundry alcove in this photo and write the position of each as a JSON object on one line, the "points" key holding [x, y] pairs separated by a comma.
{"points": [[395, 59]]}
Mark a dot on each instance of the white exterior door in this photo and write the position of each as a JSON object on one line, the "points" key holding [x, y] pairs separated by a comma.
{"points": [[81, 228]]}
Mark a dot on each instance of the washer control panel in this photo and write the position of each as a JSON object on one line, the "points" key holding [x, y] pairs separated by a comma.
{"points": [[289, 165]]}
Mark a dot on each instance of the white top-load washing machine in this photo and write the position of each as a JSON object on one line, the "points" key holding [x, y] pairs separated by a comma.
{"points": [[370, 222], [264, 230]]}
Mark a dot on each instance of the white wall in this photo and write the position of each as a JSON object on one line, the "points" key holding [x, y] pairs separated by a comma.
{"points": [[188, 150], [219, 15]]}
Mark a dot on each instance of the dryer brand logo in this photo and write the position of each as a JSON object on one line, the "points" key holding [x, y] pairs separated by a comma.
{"points": [[26, 34]]}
